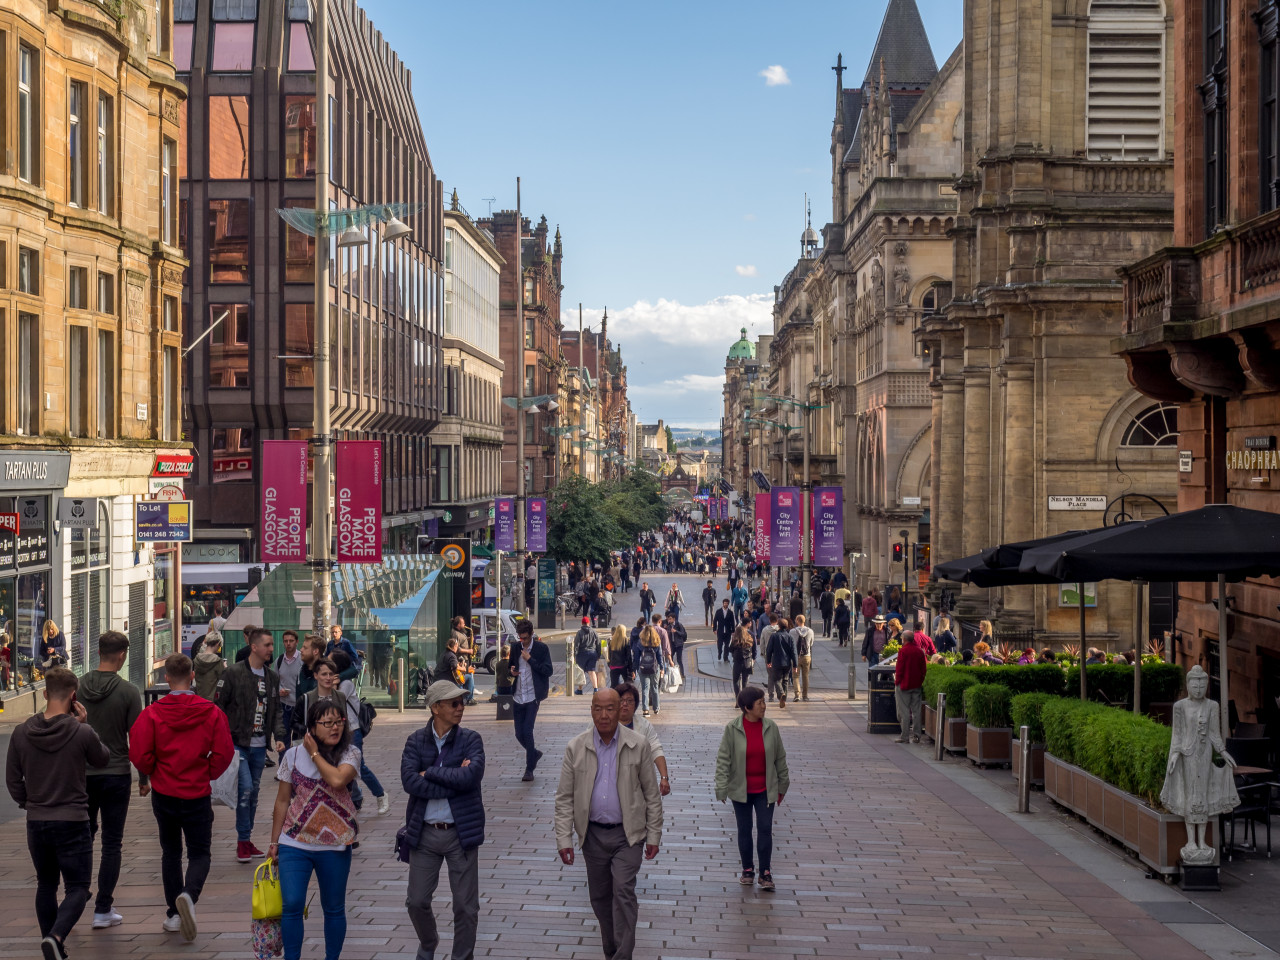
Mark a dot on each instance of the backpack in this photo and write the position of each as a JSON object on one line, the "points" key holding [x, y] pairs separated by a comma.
{"points": [[648, 660], [804, 642], [366, 714]]}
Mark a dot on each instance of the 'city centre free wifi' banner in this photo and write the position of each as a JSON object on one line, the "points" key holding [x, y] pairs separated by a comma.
{"points": [[504, 514], [828, 526], [358, 472], [284, 501], [784, 509]]}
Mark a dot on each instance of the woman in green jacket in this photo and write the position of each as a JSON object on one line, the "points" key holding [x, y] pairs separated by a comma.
{"points": [[751, 770]]}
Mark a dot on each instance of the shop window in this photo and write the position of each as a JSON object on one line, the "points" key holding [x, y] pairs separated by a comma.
{"points": [[78, 381], [229, 345], [165, 592], [90, 591], [228, 138], [300, 136], [228, 241], [232, 48], [301, 57], [299, 344]]}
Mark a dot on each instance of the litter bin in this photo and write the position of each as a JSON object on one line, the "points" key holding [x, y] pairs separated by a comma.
{"points": [[505, 712], [882, 708]]}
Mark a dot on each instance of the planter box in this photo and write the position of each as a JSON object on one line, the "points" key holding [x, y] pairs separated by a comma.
{"points": [[1037, 762], [954, 739], [1157, 838], [988, 744], [930, 721]]}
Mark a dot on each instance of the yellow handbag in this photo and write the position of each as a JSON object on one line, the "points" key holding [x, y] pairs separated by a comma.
{"points": [[268, 902]]}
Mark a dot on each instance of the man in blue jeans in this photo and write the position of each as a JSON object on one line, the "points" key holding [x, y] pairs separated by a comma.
{"points": [[249, 694], [45, 774], [530, 669]]}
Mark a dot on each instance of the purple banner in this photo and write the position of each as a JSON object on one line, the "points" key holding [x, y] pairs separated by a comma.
{"points": [[784, 510], [358, 472], [828, 526], [535, 525], [504, 518], [284, 501]]}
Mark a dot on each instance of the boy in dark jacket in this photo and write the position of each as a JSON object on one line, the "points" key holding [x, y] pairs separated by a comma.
{"points": [[113, 704], [45, 774], [441, 770], [530, 668], [183, 743], [780, 655]]}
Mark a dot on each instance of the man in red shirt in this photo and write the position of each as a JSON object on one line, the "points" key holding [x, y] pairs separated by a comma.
{"points": [[908, 678], [182, 742]]}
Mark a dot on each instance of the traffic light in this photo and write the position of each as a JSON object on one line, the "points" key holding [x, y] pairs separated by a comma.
{"points": [[920, 556], [897, 553]]}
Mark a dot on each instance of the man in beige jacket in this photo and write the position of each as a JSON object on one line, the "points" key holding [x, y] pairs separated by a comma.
{"points": [[609, 795]]}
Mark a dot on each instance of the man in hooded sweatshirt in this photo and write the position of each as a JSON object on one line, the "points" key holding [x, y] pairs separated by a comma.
{"points": [[45, 774], [113, 704], [183, 742]]}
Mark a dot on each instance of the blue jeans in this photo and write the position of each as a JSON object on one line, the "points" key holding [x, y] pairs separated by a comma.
{"points": [[366, 774], [252, 760], [649, 684], [758, 804], [331, 869], [524, 715]]}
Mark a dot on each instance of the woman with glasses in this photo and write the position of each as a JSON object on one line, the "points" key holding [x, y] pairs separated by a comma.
{"points": [[314, 825]]}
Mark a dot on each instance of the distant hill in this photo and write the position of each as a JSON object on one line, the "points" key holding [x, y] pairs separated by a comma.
{"points": [[688, 438]]}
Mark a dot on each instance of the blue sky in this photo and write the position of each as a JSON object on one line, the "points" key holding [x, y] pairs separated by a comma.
{"points": [[651, 134]]}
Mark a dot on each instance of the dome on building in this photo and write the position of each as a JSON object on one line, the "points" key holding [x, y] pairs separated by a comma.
{"points": [[743, 349]]}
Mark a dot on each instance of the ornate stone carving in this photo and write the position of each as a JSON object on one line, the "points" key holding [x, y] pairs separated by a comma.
{"points": [[136, 307], [1258, 358], [170, 110], [1209, 366], [1194, 788], [171, 276], [901, 284], [1150, 374]]}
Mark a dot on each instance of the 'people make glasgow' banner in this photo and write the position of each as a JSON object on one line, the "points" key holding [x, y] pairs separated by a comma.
{"points": [[504, 518], [828, 526], [535, 525], [358, 473], [784, 514], [762, 527], [284, 501]]}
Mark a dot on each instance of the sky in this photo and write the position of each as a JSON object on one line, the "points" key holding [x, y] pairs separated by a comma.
{"points": [[672, 143]]}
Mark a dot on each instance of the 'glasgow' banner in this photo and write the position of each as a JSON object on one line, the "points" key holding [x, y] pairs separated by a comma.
{"points": [[828, 526], [358, 471], [535, 525], [784, 516], [284, 501], [762, 527], [504, 518]]}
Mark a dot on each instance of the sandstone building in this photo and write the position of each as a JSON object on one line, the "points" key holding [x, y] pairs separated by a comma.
{"points": [[91, 267], [1065, 176]]}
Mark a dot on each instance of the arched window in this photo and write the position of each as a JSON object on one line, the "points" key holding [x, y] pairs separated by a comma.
{"points": [[1124, 106], [929, 302], [1156, 426]]}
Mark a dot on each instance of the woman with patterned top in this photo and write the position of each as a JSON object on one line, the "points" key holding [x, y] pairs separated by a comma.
{"points": [[314, 825]]}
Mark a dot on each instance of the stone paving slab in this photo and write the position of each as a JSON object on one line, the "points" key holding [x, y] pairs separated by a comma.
{"points": [[876, 855]]}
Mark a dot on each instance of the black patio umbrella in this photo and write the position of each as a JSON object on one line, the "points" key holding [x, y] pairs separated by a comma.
{"points": [[1218, 541]]}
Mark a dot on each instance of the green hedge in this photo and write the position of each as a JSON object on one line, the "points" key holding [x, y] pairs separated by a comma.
{"points": [[1113, 683], [1125, 750], [1024, 710], [952, 681], [1022, 678], [987, 705]]}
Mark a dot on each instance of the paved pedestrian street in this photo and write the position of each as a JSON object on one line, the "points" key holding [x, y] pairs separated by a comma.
{"points": [[878, 853]]}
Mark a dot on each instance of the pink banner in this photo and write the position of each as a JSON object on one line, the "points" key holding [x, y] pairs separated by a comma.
{"points": [[762, 527], [283, 526], [358, 471]]}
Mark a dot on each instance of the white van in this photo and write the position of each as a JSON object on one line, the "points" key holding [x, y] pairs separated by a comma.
{"points": [[493, 629]]}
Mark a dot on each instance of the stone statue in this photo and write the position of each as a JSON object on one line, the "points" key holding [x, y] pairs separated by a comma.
{"points": [[1194, 788], [901, 284]]}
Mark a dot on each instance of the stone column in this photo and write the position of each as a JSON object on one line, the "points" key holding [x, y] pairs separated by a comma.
{"points": [[1018, 492], [948, 513], [977, 461]]}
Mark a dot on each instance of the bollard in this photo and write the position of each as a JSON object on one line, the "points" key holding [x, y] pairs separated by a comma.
{"points": [[938, 752], [1024, 771], [853, 676], [568, 667], [400, 686]]}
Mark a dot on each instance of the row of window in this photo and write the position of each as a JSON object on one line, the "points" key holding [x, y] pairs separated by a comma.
{"points": [[470, 397], [231, 48]]}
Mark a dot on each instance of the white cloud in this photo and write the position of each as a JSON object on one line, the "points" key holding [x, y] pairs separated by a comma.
{"points": [[748, 271], [711, 324], [775, 76], [689, 383], [748, 216]]}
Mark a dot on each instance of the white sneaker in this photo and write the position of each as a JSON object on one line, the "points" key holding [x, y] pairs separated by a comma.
{"points": [[384, 805], [103, 920], [186, 916], [172, 924]]}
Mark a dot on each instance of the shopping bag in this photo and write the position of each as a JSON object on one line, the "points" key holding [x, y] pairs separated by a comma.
{"points": [[673, 679], [226, 789], [268, 939], [579, 678], [268, 902]]}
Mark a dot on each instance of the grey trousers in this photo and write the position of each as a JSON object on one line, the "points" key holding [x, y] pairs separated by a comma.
{"points": [[434, 848], [911, 711], [612, 865]]}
